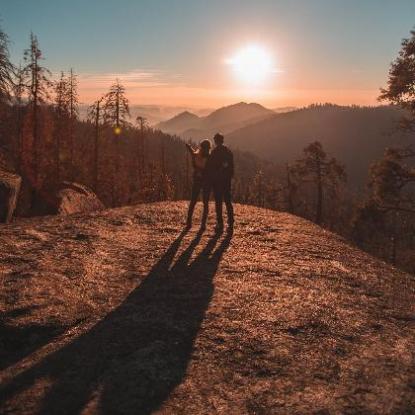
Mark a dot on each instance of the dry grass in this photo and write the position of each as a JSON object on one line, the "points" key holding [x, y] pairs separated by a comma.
{"points": [[117, 312]]}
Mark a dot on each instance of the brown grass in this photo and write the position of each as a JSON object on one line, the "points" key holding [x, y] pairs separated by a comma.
{"points": [[118, 312]]}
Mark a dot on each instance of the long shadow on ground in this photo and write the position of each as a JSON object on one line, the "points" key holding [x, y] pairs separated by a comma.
{"points": [[139, 352]]}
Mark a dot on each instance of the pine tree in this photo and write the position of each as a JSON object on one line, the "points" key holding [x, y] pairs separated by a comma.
{"points": [[323, 172], [62, 114], [290, 188], [116, 112], [142, 125], [392, 180], [401, 83], [393, 177], [18, 94], [116, 107], [258, 189], [61, 96], [72, 95], [384, 219]]}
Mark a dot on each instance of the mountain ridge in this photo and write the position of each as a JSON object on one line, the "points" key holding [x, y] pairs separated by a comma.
{"points": [[344, 132], [225, 119]]}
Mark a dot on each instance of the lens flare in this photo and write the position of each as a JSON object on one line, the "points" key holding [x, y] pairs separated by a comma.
{"points": [[117, 130]]}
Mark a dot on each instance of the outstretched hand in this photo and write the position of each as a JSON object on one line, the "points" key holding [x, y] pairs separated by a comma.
{"points": [[190, 148]]}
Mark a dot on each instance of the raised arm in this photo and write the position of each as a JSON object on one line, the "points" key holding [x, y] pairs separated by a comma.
{"points": [[190, 149]]}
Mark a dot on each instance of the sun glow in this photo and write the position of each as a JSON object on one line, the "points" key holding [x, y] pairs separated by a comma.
{"points": [[252, 65]]}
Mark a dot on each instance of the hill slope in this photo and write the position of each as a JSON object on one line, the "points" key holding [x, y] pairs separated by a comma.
{"points": [[119, 312], [356, 136], [225, 120]]}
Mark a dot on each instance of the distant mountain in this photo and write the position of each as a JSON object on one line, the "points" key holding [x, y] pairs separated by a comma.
{"points": [[354, 135], [281, 110], [224, 120], [154, 114], [179, 123]]}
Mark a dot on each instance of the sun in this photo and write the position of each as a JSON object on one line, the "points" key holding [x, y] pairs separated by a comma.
{"points": [[252, 64]]}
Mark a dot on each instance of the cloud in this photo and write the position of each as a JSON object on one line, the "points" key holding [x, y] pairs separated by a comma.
{"points": [[136, 78]]}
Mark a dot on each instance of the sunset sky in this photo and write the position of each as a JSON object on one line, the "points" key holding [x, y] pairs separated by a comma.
{"points": [[183, 52]]}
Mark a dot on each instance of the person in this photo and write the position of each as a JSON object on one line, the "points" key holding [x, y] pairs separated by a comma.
{"points": [[219, 172], [199, 161]]}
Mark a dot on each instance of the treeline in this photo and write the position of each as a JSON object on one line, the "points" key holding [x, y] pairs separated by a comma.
{"points": [[43, 139]]}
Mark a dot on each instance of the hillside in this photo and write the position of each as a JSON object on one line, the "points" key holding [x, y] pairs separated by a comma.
{"points": [[223, 120], [121, 312], [354, 135]]}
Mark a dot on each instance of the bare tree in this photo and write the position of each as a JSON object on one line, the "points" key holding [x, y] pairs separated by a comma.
{"points": [[39, 85], [7, 70], [95, 116], [72, 98]]}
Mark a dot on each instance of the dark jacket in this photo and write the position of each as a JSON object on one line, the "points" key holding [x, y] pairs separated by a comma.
{"points": [[219, 167]]}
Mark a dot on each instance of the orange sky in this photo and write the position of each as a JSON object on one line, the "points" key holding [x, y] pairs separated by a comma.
{"points": [[155, 91], [181, 52], [199, 97]]}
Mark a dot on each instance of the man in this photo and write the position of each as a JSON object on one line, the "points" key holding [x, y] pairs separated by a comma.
{"points": [[219, 171]]}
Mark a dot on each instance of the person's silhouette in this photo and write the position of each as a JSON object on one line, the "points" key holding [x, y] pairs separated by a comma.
{"points": [[199, 161], [219, 171]]}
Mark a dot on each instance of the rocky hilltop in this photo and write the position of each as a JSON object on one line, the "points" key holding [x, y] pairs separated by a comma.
{"points": [[122, 312]]}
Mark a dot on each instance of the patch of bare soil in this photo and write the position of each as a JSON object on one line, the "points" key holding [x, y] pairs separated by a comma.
{"points": [[120, 312]]}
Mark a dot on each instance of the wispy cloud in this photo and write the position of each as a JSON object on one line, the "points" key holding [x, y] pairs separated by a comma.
{"points": [[136, 78]]}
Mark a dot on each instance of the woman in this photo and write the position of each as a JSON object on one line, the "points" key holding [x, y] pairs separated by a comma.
{"points": [[199, 159]]}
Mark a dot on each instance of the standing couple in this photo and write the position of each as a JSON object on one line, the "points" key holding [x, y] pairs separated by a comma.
{"points": [[212, 171]]}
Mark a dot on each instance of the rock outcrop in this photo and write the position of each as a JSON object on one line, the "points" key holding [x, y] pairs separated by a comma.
{"points": [[9, 191], [77, 198]]}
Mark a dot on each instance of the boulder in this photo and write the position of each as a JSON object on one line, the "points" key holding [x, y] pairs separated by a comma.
{"points": [[9, 191], [77, 198]]}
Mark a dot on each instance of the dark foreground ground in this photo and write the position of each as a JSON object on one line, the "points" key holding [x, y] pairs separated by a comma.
{"points": [[122, 313]]}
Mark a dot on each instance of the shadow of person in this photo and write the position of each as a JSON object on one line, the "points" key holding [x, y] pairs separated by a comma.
{"points": [[131, 360], [19, 342]]}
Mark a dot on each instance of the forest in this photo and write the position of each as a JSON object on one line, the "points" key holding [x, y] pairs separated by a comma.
{"points": [[44, 140]]}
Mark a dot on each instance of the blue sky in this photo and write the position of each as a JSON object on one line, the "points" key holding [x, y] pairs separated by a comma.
{"points": [[321, 47]]}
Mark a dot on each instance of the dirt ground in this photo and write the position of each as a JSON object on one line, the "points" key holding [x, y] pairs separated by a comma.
{"points": [[121, 312]]}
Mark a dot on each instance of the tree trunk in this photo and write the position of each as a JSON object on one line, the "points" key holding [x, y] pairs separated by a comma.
{"points": [[71, 173], [58, 149], [289, 191], [96, 143], [319, 207], [35, 142]]}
